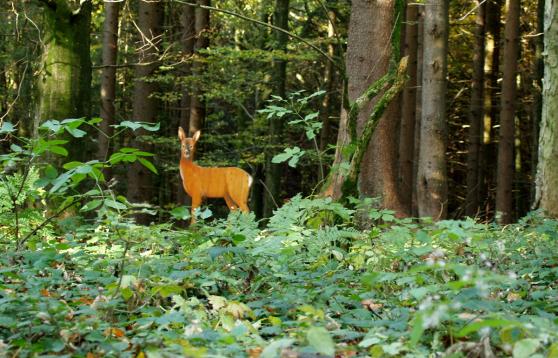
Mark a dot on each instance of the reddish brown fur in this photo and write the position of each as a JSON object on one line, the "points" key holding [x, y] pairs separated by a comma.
{"points": [[231, 184]]}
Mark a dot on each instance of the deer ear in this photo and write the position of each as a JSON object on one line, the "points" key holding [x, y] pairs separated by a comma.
{"points": [[181, 134], [196, 136]]}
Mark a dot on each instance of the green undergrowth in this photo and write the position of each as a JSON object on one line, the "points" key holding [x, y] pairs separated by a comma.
{"points": [[308, 284]]}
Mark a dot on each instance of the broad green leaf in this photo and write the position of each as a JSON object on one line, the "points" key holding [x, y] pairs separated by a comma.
{"points": [[320, 339], [475, 326], [92, 205], [76, 132], [58, 150], [7, 127], [525, 348], [114, 204], [146, 163]]}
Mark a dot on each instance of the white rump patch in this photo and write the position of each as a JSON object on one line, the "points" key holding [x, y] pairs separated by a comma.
{"points": [[250, 180]]}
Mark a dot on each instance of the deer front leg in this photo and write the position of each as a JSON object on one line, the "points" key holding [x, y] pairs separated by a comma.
{"points": [[196, 202]]}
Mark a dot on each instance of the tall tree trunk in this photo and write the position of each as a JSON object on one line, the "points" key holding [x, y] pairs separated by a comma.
{"points": [[476, 115], [328, 83], [491, 102], [108, 77], [65, 79], [408, 115], [547, 171], [197, 104], [188, 40], [504, 198], [536, 110], [370, 32], [432, 184], [150, 20], [273, 171]]}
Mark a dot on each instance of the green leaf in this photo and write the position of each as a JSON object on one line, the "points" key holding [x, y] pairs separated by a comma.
{"points": [[58, 150], [320, 339], [525, 348], [418, 329], [146, 163], [180, 213], [76, 132], [7, 127], [475, 326], [273, 349], [114, 204], [311, 116], [94, 204]]}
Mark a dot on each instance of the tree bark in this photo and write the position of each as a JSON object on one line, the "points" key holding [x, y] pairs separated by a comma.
{"points": [[197, 104], [432, 188], [505, 174], [150, 19], [65, 79], [279, 74], [370, 32], [476, 116], [547, 170], [108, 78], [188, 40], [408, 115]]}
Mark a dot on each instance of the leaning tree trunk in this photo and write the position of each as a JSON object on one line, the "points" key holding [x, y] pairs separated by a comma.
{"points": [[150, 19], [65, 79], [370, 32], [409, 111], [279, 78], [505, 175], [476, 116], [547, 170], [197, 104], [536, 109], [108, 77], [432, 187]]}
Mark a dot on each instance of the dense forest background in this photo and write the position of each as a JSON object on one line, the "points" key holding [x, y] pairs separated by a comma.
{"points": [[404, 160], [222, 69]]}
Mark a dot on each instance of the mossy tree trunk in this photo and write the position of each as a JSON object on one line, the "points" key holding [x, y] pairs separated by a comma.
{"points": [[64, 84], [547, 170]]}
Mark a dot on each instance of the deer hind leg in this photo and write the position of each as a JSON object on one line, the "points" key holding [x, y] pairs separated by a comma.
{"points": [[230, 203]]}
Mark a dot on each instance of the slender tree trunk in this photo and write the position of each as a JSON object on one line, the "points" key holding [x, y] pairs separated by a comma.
{"points": [[432, 173], [547, 171], [491, 103], [328, 84], [418, 115], [108, 78], [536, 110], [273, 171], [504, 198], [145, 107], [65, 79], [197, 104], [188, 40], [476, 115], [408, 116]]}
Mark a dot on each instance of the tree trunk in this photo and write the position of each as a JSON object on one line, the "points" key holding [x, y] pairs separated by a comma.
{"points": [[408, 116], [491, 103], [505, 175], [536, 110], [370, 32], [328, 84], [145, 107], [432, 188], [273, 171], [476, 115], [547, 170], [108, 78], [188, 40], [65, 79], [197, 104]]}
